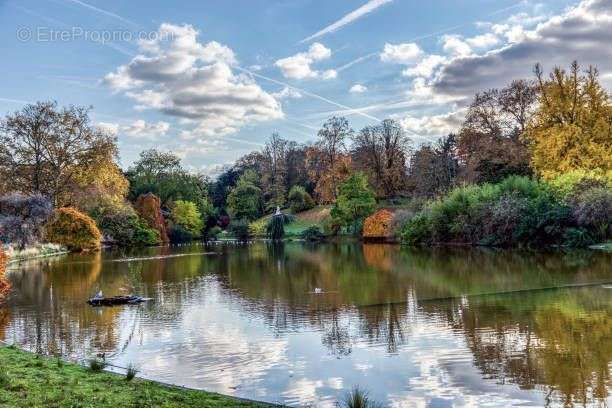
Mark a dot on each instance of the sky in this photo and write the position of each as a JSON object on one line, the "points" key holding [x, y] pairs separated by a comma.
{"points": [[212, 80]]}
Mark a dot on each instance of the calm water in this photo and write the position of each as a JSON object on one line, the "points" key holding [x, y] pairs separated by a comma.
{"points": [[416, 328]]}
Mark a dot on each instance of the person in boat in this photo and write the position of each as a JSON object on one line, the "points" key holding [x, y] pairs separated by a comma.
{"points": [[99, 295]]}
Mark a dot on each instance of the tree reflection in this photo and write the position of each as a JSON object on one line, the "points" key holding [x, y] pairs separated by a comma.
{"points": [[559, 341]]}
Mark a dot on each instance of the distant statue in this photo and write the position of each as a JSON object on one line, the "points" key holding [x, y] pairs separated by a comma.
{"points": [[276, 226]]}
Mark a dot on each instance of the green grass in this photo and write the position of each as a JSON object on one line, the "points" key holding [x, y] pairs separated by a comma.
{"points": [[28, 380]]}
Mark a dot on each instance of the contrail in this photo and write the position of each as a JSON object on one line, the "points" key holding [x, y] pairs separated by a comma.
{"points": [[101, 11], [312, 95], [424, 36], [354, 15]]}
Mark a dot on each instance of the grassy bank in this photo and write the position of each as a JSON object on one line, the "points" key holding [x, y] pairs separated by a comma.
{"points": [[28, 380]]}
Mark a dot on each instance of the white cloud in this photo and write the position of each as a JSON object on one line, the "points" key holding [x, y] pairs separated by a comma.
{"points": [[179, 76], [358, 88], [111, 128], [582, 33], [142, 129], [483, 41], [287, 93], [354, 15], [435, 125], [137, 129], [298, 66], [406, 53], [425, 67], [454, 45]]}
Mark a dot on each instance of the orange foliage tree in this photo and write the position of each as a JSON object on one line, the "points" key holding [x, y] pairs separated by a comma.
{"points": [[73, 229], [4, 284], [379, 225], [148, 207]]}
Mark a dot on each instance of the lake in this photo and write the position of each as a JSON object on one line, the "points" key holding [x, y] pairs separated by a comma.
{"points": [[438, 327]]}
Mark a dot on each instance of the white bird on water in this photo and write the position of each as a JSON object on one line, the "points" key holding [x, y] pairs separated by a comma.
{"points": [[318, 290]]}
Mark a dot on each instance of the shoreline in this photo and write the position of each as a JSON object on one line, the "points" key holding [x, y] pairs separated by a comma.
{"points": [[68, 383]]}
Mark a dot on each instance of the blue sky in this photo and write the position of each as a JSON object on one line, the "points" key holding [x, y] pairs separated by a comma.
{"points": [[211, 80]]}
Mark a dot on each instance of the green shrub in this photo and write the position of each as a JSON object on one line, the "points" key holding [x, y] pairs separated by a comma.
{"points": [[240, 230], [577, 238], [97, 364], [518, 211], [213, 233], [312, 234], [130, 372], [417, 230], [122, 226], [178, 234], [299, 199], [359, 398], [258, 228], [73, 229]]}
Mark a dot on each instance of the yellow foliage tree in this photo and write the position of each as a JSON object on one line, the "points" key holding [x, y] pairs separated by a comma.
{"points": [[572, 128], [73, 229], [102, 179]]}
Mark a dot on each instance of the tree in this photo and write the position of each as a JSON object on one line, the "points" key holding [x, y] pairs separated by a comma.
{"points": [[274, 171], [433, 169], [45, 149], [299, 199], [245, 200], [380, 151], [22, 218], [572, 129], [186, 215], [489, 145], [162, 174], [356, 201], [328, 160], [220, 188]]}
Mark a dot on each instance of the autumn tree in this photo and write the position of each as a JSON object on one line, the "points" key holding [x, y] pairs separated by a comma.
{"points": [[328, 161], [433, 168], [380, 151], [48, 150], [572, 129], [489, 145]]}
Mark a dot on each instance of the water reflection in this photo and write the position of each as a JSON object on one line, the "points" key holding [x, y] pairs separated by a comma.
{"points": [[416, 327]]}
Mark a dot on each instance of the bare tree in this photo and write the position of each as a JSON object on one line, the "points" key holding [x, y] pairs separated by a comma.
{"points": [[381, 151]]}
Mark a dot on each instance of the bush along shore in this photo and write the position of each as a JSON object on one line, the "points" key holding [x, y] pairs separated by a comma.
{"points": [[31, 380]]}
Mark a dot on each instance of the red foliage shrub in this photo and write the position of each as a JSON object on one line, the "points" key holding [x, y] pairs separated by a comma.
{"points": [[148, 207], [74, 230], [4, 284], [379, 225]]}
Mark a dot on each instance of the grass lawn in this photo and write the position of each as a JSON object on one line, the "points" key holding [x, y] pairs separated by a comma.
{"points": [[28, 380]]}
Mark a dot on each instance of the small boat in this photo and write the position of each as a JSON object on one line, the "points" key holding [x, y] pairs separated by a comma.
{"points": [[116, 300]]}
